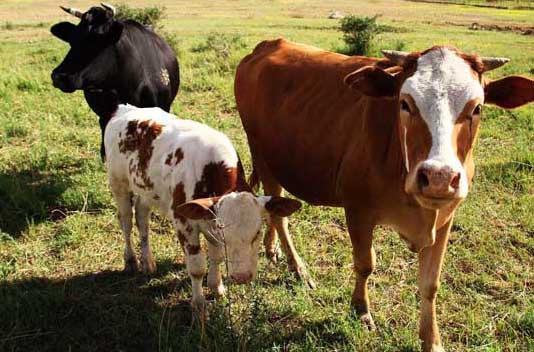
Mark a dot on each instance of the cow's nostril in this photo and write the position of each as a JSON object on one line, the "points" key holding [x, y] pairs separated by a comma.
{"points": [[422, 179], [455, 182]]}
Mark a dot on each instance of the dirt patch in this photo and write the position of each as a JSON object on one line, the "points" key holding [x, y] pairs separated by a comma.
{"points": [[528, 30]]}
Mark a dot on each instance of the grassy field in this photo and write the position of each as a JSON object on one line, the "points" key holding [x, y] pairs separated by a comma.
{"points": [[61, 285]]}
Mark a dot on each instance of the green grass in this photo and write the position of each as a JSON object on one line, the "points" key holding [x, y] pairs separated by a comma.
{"points": [[61, 285]]}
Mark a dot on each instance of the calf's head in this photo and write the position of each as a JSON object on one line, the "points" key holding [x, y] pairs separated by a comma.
{"points": [[90, 60], [437, 96], [234, 221]]}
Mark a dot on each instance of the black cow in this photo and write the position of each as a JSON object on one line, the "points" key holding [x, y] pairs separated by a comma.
{"points": [[114, 60]]}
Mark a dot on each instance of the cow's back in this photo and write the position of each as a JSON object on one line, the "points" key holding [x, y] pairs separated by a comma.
{"points": [[301, 117], [151, 65]]}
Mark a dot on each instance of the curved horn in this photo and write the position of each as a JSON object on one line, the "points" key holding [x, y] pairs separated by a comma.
{"points": [[109, 7], [74, 12], [394, 55], [491, 63]]}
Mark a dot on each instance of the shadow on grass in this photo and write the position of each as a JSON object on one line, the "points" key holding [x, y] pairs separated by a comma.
{"points": [[116, 311], [106, 311], [30, 196]]}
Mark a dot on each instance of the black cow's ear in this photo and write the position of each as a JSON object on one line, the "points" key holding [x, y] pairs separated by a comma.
{"points": [[63, 30], [111, 32], [115, 31]]}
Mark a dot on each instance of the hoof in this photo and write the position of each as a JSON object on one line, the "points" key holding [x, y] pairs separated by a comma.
{"points": [[199, 308], [218, 290], [273, 255], [149, 267], [303, 275], [368, 322], [428, 347], [131, 265]]}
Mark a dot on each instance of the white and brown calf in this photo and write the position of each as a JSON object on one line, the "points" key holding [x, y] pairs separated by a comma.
{"points": [[193, 175]]}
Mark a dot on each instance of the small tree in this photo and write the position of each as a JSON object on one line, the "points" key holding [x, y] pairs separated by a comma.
{"points": [[358, 33], [149, 16]]}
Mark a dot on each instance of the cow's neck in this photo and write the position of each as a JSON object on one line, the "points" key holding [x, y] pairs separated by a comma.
{"points": [[416, 224]]}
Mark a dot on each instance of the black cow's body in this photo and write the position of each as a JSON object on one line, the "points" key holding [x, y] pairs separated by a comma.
{"points": [[114, 60]]}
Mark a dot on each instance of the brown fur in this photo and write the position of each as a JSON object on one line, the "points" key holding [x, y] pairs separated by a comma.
{"points": [[139, 137], [330, 145]]}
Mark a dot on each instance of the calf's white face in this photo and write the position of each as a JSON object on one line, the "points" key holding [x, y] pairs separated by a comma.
{"points": [[235, 221]]}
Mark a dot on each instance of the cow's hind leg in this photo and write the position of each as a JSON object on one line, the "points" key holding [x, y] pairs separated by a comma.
{"points": [[295, 263], [142, 215], [123, 198], [363, 255]]}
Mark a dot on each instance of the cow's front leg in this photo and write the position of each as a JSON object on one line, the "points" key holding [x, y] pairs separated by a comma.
{"points": [[195, 261], [363, 256], [430, 263], [216, 257], [142, 214]]}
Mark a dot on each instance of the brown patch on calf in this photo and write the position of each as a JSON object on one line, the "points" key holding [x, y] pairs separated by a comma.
{"points": [[178, 198], [217, 179], [182, 239], [192, 249], [140, 136], [178, 154]]}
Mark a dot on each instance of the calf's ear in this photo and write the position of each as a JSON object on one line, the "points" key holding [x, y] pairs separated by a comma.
{"points": [[372, 81], [63, 30], [280, 206], [509, 92], [198, 209]]}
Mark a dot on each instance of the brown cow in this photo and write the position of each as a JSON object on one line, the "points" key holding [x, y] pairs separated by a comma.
{"points": [[389, 140]]}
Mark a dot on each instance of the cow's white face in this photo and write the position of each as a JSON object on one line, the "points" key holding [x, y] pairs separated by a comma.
{"points": [[439, 112], [439, 93]]}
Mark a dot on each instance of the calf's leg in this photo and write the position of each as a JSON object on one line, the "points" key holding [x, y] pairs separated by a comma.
{"points": [[363, 256], [195, 261], [142, 214], [216, 257], [125, 214], [430, 263]]}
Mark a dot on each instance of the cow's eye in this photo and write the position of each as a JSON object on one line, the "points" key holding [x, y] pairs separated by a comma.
{"points": [[477, 110], [405, 106]]}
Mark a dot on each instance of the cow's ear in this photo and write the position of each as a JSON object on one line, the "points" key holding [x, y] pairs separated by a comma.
{"points": [[197, 209], [110, 32], [63, 30], [115, 32], [509, 92], [279, 206], [372, 81]]}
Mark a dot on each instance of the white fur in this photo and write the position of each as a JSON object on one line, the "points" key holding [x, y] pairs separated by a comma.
{"points": [[441, 86], [239, 215]]}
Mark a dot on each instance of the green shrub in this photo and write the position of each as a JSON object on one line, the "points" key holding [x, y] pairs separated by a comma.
{"points": [[149, 16], [358, 34]]}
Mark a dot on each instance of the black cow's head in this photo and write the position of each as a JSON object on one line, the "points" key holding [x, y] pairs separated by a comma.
{"points": [[90, 59]]}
